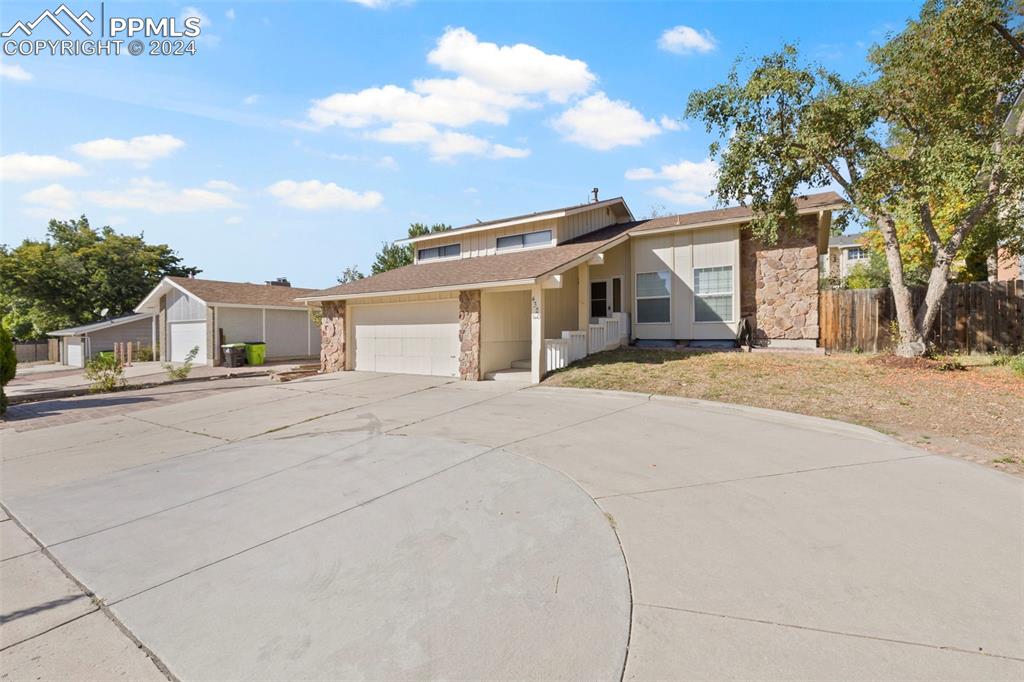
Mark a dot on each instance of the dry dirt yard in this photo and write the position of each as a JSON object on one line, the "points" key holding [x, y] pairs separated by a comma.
{"points": [[975, 413]]}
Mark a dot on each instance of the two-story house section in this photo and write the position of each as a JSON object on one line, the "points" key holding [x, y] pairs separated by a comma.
{"points": [[526, 294]]}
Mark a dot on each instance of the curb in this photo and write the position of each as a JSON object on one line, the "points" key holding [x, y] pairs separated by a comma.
{"points": [[84, 390]]}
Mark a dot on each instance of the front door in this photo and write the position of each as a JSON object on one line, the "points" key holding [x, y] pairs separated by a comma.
{"points": [[599, 301]]}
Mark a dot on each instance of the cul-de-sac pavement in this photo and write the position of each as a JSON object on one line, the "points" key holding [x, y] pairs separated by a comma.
{"points": [[381, 526]]}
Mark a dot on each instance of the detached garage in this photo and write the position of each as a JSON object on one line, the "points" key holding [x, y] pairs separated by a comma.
{"points": [[79, 344], [205, 314]]}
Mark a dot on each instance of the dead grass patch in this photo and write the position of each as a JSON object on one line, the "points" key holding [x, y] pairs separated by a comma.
{"points": [[976, 414]]}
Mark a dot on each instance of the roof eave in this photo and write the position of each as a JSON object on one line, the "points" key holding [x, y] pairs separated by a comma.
{"points": [[422, 290], [835, 206]]}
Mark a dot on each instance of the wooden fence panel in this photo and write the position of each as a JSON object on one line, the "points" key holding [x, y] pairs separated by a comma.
{"points": [[974, 317]]}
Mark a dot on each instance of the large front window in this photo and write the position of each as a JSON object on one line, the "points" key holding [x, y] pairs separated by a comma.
{"points": [[712, 288], [521, 241], [449, 251], [653, 297]]}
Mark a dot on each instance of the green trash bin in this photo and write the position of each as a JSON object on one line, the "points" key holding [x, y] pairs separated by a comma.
{"points": [[255, 352]]}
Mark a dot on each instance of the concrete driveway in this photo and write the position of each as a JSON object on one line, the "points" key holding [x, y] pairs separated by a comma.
{"points": [[379, 526]]}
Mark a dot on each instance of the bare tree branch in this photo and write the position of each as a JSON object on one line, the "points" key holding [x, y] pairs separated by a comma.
{"points": [[1016, 44], [929, 227]]}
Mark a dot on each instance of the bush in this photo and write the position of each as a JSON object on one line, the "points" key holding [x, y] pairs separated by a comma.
{"points": [[106, 374], [144, 354], [1015, 362], [179, 373], [8, 365]]}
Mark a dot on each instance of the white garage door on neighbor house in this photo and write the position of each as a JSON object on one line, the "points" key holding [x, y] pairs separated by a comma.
{"points": [[184, 337], [408, 338]]}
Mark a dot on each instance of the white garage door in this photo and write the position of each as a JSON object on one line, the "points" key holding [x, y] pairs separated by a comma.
{"points": [[184, 337], [408, 338], [74, 352]]}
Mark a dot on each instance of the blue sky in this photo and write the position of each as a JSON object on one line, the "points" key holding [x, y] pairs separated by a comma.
{"points": [[302, 135]]}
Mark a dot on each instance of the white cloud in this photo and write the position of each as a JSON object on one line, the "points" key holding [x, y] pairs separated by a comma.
{"points": [[313, 195], [230, 14], [22, 167], [686, 40], [518, 69], [373, 4], [251, 99], [159, 197], [668, 123], [205, 23], [445, 145], [690, 182], [233, 220], [141, 149], [601, 123], [14, 72], [456, 103], [221, 186], [387, 162], [52, 199]]}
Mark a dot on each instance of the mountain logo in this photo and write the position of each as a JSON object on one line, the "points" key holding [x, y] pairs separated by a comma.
{"points": [[54, 17]]}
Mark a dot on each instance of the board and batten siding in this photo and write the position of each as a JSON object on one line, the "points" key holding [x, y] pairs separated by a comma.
{"points": [[184, 308], [579, 224], [561, 306], [505, 327], [679, 253]]}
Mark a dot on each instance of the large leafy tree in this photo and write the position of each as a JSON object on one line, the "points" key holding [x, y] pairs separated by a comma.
{"points": [[393, 256], [76, 273], [928, 138]]}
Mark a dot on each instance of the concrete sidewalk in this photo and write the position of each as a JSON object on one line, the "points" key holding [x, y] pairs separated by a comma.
{"points": [[380, 526]]}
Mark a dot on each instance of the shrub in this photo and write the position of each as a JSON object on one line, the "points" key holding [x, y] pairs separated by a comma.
{"points": [[105, 372], [144, 354], [950, 363], [179, 373], [8, 364]]}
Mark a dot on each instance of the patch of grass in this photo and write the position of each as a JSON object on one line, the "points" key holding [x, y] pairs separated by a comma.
{"points": [[976, 411]]}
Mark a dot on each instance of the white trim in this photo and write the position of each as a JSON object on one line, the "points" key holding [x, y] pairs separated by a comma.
{"points": [[731, 294], [427, 290], [636, 296], [158, 288], [257, 305], [607, 296], [508, 249], [418, 259]]}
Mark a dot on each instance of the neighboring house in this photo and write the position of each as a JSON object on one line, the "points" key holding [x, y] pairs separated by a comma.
{"points": [[206, 313], [79, 344], [1009, 267], [844, 252], [514, 292]]}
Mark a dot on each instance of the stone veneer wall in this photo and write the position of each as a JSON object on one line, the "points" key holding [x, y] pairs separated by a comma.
{"points": [[469, 335], [332, 337], [779, 283]]}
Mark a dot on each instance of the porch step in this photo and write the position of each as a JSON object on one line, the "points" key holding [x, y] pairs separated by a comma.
{"points": [[518, 375], [520, 364]]}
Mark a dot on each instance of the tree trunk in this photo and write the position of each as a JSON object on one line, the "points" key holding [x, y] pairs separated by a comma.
{"points": [[938, 280], [911, 342]]}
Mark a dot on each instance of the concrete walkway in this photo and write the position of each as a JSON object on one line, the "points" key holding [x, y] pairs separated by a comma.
{"points": [[379, 526]]}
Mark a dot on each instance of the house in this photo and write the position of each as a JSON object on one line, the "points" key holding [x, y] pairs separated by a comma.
{"points": [[537, 291], [844, 251], [1009, 267], [207, 313], [79, 344]]}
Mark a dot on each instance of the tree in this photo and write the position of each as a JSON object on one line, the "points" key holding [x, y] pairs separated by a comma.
{"points": [[76, 273], [8, 364], [350, 274], [393, 255], [921, 139]]}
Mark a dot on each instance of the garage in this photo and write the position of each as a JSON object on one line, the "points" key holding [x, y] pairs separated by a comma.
{"points": [[75, 352], [408, 338], [184, 337]]}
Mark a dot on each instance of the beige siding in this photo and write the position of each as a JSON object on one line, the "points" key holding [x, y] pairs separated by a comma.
{"points": [[240, 324], [291, 334], [504, 329], [579, 224], [680, 253], [560, 306], [616, 264], [485, 243]]}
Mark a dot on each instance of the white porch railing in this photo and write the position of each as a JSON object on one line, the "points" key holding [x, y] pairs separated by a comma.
{"points": [[611, 333], [577, 344], [556, 352], [623, 319], [597, 340]]}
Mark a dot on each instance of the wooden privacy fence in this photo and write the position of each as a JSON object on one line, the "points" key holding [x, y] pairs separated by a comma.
{"points": [[34, 351], [976, 317]]}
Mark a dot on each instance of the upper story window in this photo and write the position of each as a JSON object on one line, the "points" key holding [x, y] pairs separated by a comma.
{"points": [[856, 253], [449, 251], [521, 241]]}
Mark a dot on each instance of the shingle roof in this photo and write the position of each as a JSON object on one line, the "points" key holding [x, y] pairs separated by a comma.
{"points": [[506, 267], [102, 324], [241, 293], [533, 263], [806, 202], [847, 239]]}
